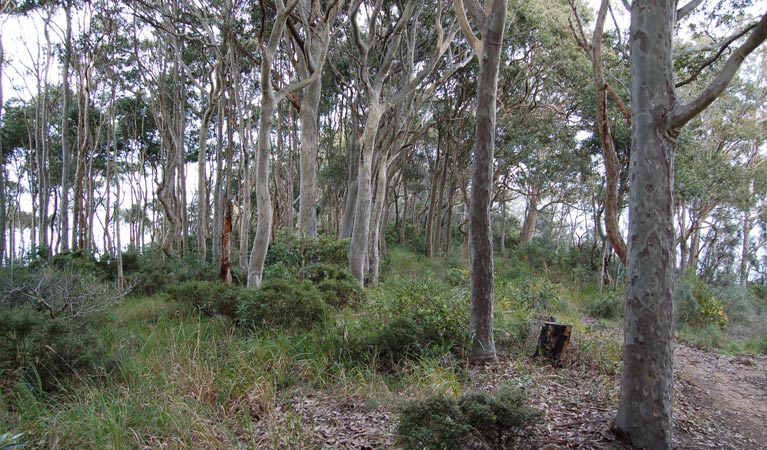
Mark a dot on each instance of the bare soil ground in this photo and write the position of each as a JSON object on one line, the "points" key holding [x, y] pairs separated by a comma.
{"points": [[730, 391], [720, 403]]}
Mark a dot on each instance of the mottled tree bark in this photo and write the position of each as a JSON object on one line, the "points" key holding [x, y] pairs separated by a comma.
{"points": [[645, 408], [488, 51], [644, 413]]}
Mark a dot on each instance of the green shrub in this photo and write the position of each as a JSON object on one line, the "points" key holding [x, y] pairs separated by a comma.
{"points": [[434, 423], [278, 270], [61, 292], [151, 271], [296, 253], [704, 336], [476, 420], [338, 286], [757, 344], [606, 305], [535, 294], [512, 329], [415, 330], [41, 350], [696, 304], [210, 298], [497, 419], [282, 303]]}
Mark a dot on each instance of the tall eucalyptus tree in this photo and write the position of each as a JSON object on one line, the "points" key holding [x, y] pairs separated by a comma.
{"points": [[491, 21], [645, 407], [269, 100]]}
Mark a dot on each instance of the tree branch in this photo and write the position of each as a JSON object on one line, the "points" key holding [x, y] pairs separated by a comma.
{"points": [[685, 10], [474, 41], [685, 113], [722, 47]]}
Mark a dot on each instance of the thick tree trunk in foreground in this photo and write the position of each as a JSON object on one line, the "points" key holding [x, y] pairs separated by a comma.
{"points": [[644, 413], [645, 408]]}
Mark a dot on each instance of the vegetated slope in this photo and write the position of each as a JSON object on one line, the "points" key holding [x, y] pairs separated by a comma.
{"points": [[191, 377]]}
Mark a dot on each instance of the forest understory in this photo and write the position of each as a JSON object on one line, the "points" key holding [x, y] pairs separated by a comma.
{"points": [[310, 361]]}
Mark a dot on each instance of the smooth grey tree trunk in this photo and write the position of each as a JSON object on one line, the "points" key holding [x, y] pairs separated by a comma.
{"points": [[263, 197], [531, 220], [307, 200], [746, 230], [269, 100], [65, 147], [481, 236], [347, 221], [361, 229], [3, 184]]}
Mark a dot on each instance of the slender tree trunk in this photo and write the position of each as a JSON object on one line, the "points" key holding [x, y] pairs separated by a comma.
{"points": [[225, 274], [431, 213], [694, 248], [65, 147], [202, 156], [361, 229], [503, 226], [610, 156], [744, 249], [683, 236], [307, 200], [437, 243], [218, 189], [481, 249], [376, 224], [350, 204], [403, 223], [263, 197], [531, 219], [3, 178]]}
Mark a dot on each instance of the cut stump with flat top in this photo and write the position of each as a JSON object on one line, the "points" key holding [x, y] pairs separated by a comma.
{"points": [[554, 340]]}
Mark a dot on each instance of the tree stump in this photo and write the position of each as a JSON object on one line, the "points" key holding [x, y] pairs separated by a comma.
{"points": [[554, 340]]}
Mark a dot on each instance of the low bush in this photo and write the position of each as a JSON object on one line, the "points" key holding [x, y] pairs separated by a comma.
{"points": [[434, 423], [757, 344], [41, 350], [696, 304], [338, 286], [60, 292], [703, 336], [209, 298], [476, 420], [419, 329], [606, 305], [296, 253], [497, 419], [282, 303], [152, 272]]}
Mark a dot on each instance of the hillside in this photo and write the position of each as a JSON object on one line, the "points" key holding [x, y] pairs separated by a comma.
{"points": [[183, 364]]}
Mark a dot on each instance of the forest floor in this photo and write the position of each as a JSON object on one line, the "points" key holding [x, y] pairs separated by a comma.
{"points": [[720, 403]]}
